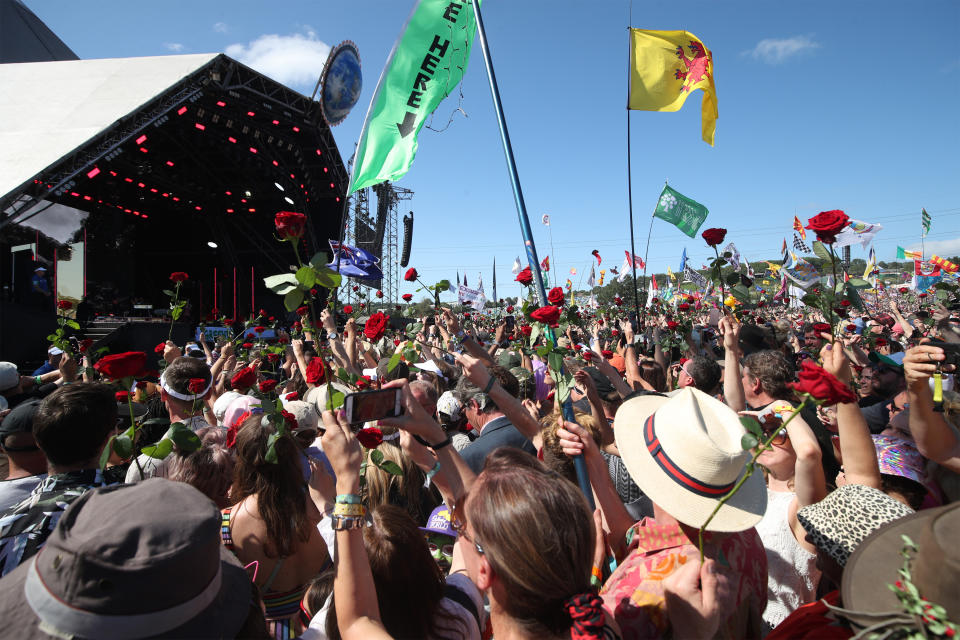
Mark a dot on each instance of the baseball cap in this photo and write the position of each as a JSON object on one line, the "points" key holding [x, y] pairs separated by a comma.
{"points": [[9, 376], [439, 522], [19, 420], [54, 351], [894, 360]]}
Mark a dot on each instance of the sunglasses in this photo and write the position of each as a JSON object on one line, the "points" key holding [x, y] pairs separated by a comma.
{"points": [[778, 439], [459, 523], [446, 550]]}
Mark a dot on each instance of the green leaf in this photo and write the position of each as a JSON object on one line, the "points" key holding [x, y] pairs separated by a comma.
{"points": [[319, 260], [748, 441], [942, 294], [859, 283], [740, 292], [186, 440], [160, 450], [271, 456], [292, 299], [73, 324], [282, 283], [123, 446], [854, 296], [555, 361], [535, 333], [155, 421], [543, 350], [810, 299], [130, 432], [443, 285], [821, 251], [394, 361], [335, 400], [390, 466], [733, 278], [101, 351], [175, 313], [306, 277], [105, 454], [376, 456], [343, 375], [328, 278], [52, 337], [751, 425], [168, 292]]}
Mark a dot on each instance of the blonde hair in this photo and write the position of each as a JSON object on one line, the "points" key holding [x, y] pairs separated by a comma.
{"points": [[405, 491]]}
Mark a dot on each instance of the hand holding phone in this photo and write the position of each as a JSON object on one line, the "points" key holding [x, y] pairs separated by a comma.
{"points": [[366, 406]]}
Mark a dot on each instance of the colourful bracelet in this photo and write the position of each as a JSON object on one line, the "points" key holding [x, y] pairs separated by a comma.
{"points": [[348, 498], [349, 510], [433, 471]]}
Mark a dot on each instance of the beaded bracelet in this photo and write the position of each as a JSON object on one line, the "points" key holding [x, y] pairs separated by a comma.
{"points": [[349, 510], [348, 498]]}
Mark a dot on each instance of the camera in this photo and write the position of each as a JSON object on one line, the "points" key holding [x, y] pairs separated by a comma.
{"points": [[951, 352]]}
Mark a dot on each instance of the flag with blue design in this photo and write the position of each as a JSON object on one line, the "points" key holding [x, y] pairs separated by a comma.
{"points": [[683, 261], [355, 262]]}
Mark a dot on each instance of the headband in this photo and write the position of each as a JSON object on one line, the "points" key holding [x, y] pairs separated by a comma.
{"points": [[183, 396]]}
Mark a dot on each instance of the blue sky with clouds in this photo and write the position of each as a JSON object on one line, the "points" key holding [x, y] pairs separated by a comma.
{"points": [[823, 105]]}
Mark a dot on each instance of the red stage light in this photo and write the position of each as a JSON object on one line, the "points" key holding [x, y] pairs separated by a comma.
{"points": [[276, 164], [319, 153], [128, 179], [296, 129], [181, 111], [93, 172], [228, 193], [74, 194], [252, 150], [331, 185], [221, 103], [199, 126], [229, 210], [165, 195], [176, 199], [153, 190], [169, 163], [276, 122], [232, 139], [198, 208], [141, 185], [338, 198], [251, 113], [87, 198], [144, 216], [142, 139], [324, 169], [251, 210], [113, 173], [143, 150]]}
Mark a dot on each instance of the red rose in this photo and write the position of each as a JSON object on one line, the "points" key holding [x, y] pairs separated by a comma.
{"points": [[283, 340], [121, 365], [399, 308], [672, 325], [273, 357], [821, 385], [526, 330], [821, 327], [260, 329], [268, 385], [577, 347], [290, 225], [587, 355], [786, 299], [555, 297], [607, 353], [297, 326], [249, 336], [314, 372], [261, 313], [827, 224], [196, 385], [247, 345], [761, 303], [293, 395], [362, 305], [618, 301], [160, 348], [547, 315], [375, 326], [614, 332], [844, 303], [510, 309], [65, 305], [271, 319], [379, 294], [411, 275], [880, 342], [904, 289], [714, 236], [178, 276], [363, 382], [303, 311], [396, 342], [407, 297], [850, 328], [290, 419], [122, 397], [921, 295], [370, 438], [356, 288], [348, 308], [525, 277], [683, 306], [85, 344], [244, 379]]}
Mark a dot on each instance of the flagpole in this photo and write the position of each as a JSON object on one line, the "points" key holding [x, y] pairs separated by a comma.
{"points": [[553, 255], [923, 251], [531, 249], [633, 250]]}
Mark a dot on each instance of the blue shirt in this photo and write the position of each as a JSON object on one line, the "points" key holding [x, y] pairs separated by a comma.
{"points": [[497, 433]]}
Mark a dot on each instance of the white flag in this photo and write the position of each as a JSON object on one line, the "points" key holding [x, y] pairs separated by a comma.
{"points": [[591, 281], [734, 258], [516, 266], [545, 220], [624, 270], [480, 282]]}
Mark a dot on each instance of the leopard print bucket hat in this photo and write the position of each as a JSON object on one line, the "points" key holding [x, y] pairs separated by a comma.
{"points": [[839, 523]]}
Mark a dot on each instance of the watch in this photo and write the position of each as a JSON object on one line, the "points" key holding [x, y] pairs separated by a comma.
{"points": [[332, 335]]}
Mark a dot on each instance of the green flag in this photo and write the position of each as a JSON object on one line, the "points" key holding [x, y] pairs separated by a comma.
{"points": [[900, 254], [679, 210], [925, 222], [425, 65]]}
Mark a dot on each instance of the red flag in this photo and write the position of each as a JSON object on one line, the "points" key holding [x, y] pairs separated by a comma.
{"points": [[545, 265], [798, 227], [596, 254], [637, 260]]}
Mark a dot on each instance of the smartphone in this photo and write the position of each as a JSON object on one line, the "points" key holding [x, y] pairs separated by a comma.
{"points": [[430, 321], [372, 405], [511, 322]]}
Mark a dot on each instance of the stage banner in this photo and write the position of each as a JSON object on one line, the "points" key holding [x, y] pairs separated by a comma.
{"points": [[680, 211], [426, 64]]}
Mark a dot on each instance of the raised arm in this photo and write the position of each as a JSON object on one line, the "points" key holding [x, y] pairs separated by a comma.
{"points": [[934, 437], [732, 384], [479, 375]]}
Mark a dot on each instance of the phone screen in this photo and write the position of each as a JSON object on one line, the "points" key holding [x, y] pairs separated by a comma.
{"points": [[511, 321], [372, 405]]}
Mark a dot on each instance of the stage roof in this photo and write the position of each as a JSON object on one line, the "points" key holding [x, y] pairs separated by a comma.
{"points": [[48, 109], [25, 38]]}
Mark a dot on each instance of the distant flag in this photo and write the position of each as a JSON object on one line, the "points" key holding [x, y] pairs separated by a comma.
{"points": [[665, 68], [596, 254], [871, 265], [783, 249], [946, 265], [545, 264], [614, 271], [637, 260], [857, 232], [479, 282], [355, 262], [516, 266], [800, 245], [465, 280], [569, 284], [903, 254], [924, 276], [683, 260], [670, 274], [734, 258], [925, 222], [496, 301], [652, 290], [545, 220], [458, 278], [798, 227], [573, 271], [680, 211], [624, 269], [603, 272], [592, 280]]}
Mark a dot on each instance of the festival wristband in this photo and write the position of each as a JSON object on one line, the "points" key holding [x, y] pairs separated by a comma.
{"points": [[349, 510], [489, 386], [433, 471], [441, 445], [348, 498]]}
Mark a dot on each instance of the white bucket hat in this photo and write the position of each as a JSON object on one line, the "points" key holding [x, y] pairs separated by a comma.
{"points": [[684, 453]]}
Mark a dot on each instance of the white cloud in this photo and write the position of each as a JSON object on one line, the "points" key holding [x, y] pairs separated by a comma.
{"points": [[176, 47], [943, 248], [775, 51], [220, 27], [294, 60]]}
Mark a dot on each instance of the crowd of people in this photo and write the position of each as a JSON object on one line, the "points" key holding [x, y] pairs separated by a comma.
{"points": [[768, 475]]}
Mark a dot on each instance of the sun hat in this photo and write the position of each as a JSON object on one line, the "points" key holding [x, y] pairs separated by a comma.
{"points": [[841, 521], [318, 395], [239, 407], [221, 404], [684, 453], [54, 351], [873, 567], [304, 413], [449, 405], [439, 522], [899, 457], [9, 376], [132, 561], [509, 359]]}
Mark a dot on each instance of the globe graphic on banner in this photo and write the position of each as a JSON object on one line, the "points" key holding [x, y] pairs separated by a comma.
{"points": [[342, 82]]}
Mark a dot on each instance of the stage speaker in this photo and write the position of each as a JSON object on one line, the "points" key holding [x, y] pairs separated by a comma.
{"points": [[407, 239]]}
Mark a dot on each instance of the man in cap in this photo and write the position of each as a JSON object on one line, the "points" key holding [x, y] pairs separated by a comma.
{"points": [[27, 464], [684, 453], [40, 288], [54, 354]]}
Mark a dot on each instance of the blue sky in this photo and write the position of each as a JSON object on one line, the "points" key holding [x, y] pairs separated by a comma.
{"points": [[823, 105]]}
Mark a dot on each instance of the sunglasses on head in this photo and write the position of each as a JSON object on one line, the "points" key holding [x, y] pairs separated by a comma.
{"points": [[459, 523]]}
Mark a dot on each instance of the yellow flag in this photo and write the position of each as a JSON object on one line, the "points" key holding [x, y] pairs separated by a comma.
{"points": [[665, 67]]}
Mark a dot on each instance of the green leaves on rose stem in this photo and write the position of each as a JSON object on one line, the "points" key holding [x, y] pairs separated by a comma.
{"points": [[292, 299], [271, 455], [335, 400], [751, 438], [821, 251], [158, 451], [394, 361], [105, 454], [306, 276]]}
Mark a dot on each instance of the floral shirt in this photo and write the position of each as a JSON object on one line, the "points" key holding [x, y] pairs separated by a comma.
{"points": [[24, 528], [634, 593]]}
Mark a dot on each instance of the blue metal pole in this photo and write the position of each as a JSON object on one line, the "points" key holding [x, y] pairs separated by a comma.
{"points": [[531, 249]]}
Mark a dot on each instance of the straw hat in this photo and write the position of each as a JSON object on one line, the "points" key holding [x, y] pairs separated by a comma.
{"points": [[684, 453]]}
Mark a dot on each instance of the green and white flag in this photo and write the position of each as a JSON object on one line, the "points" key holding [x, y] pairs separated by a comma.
{"points": [[925, 221], [679, 210], [426, 64]]}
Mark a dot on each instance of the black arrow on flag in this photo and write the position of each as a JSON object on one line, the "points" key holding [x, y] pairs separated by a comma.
{"points": [[406, 127]]}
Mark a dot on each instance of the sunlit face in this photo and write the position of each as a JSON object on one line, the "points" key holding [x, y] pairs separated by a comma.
{"points": [[684, 379], [812, 342], [441, 548]]}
